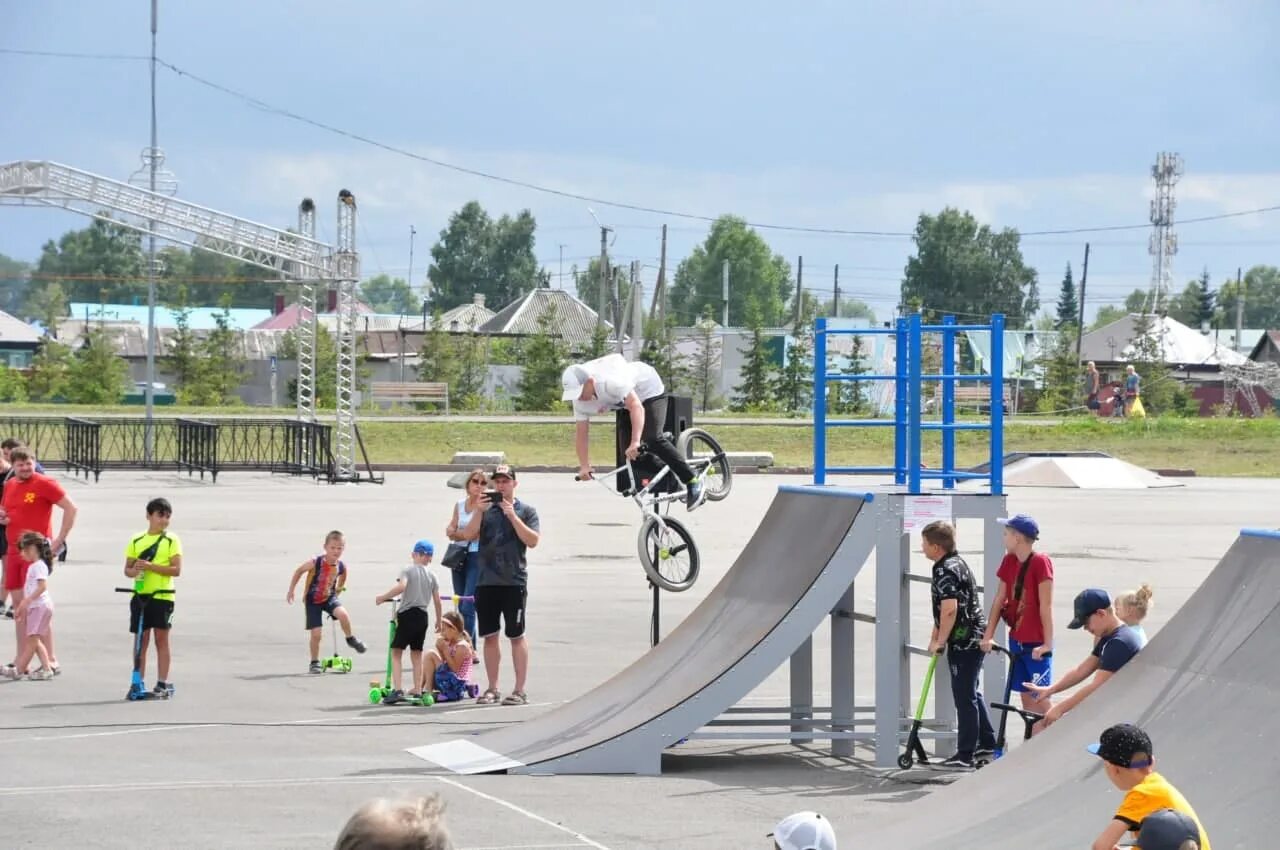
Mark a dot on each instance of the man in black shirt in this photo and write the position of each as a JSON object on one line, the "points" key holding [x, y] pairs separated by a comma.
{"points": [[958, 625]]}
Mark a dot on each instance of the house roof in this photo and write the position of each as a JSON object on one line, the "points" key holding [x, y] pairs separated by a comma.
{"points": [[1180, 345], [573, 320], [468, 316], [14, 330], [199, 318], [1272, 337], [290, 316]]}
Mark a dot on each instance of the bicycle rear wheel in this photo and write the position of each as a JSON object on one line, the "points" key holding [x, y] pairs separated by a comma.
{"points": [[695, 444], [668, 554]]}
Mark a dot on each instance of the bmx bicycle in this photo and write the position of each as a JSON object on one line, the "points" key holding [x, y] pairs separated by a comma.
{"points": [[666, 548]]}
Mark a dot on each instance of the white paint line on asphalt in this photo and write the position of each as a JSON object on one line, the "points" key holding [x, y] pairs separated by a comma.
{"points": [[179, 785], [335, 721], [513, 807]]}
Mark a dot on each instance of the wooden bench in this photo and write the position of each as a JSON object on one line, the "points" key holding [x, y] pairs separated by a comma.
{"points": [[972, 395], [410, 392]]}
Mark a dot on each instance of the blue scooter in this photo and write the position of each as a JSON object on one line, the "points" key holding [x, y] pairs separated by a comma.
{"points": [[137, 687]]}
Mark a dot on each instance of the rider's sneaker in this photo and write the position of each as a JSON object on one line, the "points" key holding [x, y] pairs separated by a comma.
{"points": [[984, 754], [315, 667], [356, 644], [957, 761], [163, 690], [695, 495], [41, 675], [393, 697]]}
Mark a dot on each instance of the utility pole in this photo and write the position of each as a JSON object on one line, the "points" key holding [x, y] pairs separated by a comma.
{"points": [[835, 303], [560, 277], [1084, 279], [658, 308], [627, 315], [149, 433], [412, 233], [604, 273], [799, 293], [1239, 309], [724, 279]]}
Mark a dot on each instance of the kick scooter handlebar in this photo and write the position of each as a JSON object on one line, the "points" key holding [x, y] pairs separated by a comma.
{"points": [[1029, 718], [1004, 650]]}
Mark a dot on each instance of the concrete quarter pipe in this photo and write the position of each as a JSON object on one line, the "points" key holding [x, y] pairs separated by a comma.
{"points": [[803, 556], [1206, 689]]}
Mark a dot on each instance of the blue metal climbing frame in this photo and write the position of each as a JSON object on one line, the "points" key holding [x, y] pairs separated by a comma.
{"points": [[908, 422]]}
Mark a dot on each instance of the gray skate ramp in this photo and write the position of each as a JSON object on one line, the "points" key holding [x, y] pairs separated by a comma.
{"points": [[1206, 689], [791, 573]]}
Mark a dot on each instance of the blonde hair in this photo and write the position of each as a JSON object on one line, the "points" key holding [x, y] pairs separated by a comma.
{"points": [[416, 824], [1136, 602], [454, 619]]}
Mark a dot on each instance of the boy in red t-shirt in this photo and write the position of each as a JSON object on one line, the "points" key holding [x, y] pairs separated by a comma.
{"points": [[1024, 600]]}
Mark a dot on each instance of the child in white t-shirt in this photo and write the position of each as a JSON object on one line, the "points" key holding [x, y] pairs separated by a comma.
{"points": [[1132, 607], [35, 612]]}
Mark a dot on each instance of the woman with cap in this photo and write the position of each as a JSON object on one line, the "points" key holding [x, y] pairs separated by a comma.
{"points": [[614, 383]]}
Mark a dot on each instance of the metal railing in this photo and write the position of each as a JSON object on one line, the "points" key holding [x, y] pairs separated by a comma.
{"points": [[908, 423], [198, 447], [83, 452]]}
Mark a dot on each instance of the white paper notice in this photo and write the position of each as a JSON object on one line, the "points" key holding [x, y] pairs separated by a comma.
{"points": [[919, 511]]}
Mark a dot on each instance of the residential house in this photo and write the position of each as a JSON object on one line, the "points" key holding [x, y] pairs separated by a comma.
{"points": [[18, 342]]}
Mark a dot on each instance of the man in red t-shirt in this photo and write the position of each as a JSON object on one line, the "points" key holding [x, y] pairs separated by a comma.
{"points": [[27, 505], [1024, 601]]}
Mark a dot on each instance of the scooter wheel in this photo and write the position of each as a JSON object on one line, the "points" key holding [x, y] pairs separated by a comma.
{"points": [[428, 700], [375, 695], [904, 761], [347, 664]]}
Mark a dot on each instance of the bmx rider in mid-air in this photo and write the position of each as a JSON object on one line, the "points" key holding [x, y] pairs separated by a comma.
{"points": [[614, 383]]}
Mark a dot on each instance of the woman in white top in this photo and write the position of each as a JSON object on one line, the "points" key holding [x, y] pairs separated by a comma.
{"points": [[464, 580]]}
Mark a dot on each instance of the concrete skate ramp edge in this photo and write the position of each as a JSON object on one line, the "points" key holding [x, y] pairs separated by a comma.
{"points": [[1205, 688], [793, 545]]}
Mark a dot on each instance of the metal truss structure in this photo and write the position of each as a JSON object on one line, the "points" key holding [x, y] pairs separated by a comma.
{"points": [[1242, 381], [293, 256]]}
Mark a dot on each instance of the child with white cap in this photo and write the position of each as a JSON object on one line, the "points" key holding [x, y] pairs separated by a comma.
{"points": [[803, 831]]}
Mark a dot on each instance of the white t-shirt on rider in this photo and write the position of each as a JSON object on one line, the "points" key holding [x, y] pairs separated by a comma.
{"points": [[616, 378]]}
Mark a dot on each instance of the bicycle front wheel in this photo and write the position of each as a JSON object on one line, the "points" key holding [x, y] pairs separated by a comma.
{"points": [[668, 554], [696, 445]]}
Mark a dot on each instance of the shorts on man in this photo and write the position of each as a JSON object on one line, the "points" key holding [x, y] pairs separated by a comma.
{"points": [[1037, 671], [317, 610], [411, 629], [157, 613], [15, 569], [501, 605]]}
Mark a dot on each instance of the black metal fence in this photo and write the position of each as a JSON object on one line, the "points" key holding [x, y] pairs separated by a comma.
{"points": [[88, 447], [198, 447]]}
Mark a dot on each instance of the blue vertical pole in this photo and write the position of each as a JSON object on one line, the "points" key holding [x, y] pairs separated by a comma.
{"points": [[900, 404], [997, 404], [913, 405], [948, 401], [820, 401]]}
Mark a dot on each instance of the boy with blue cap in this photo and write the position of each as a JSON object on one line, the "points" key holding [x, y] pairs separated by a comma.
{"points": [[1023, 599], [1116, 643], [417, 588]]}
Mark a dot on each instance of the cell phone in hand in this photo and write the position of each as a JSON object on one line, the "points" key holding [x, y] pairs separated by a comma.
{"points": [[493, 497]]}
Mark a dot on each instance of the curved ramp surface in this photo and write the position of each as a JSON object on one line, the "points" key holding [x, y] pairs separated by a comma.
{"points": [[801, 559], [1205, 688]]}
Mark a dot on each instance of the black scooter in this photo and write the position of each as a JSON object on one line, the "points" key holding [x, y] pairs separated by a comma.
{"points": [[1029, 718]]}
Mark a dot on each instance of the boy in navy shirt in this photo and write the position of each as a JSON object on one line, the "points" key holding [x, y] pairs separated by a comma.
{"points": [[1116, 644]]}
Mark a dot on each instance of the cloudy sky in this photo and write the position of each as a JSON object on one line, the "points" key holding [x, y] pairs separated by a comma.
{"points": [[831, 115]]}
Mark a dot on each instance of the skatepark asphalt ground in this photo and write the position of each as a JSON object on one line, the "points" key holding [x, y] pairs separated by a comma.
{"points": [[255, 752]]}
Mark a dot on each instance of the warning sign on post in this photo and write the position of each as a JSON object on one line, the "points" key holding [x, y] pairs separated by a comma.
{"points": [[919, 511]]}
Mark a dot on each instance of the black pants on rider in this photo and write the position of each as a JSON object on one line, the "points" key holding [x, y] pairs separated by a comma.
{"points": [[655, 418]]}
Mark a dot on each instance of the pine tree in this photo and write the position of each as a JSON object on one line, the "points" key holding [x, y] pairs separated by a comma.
{"points": [[543, 361], [845, 397], [96, 374], [438, 357], [598, 346], [703, 369], [473, 368], [1068, 305], [182, 358], [50, 371], [793, 384], [1157, 385], [1063, 383], [220, 364], [757, 370], [1206, 301]]}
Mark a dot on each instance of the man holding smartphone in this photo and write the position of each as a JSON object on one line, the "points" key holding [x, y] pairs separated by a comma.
{"points": [[507, 528]]}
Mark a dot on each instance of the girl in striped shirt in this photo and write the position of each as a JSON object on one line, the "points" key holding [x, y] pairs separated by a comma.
{"points": [[452, 660]]}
